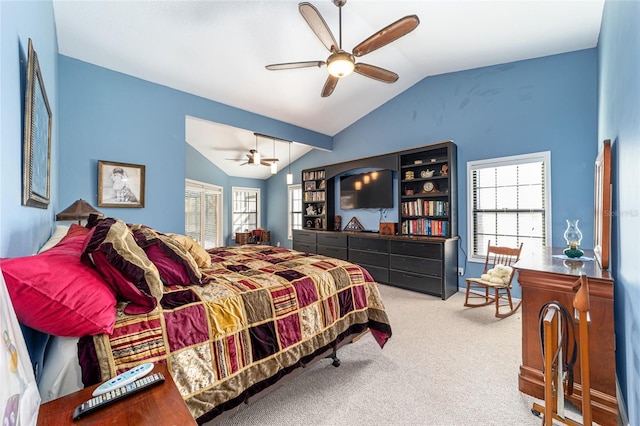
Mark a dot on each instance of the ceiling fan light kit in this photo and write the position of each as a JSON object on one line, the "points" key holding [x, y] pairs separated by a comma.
{"points": [[341, 63]]}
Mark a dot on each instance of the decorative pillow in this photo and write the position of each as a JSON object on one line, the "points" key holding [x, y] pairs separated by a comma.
{"points": [[54, 292], [175, 264], [76, 230], [55, 238], [110, 246], [199, 254]]}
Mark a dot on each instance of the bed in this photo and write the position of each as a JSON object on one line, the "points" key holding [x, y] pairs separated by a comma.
{"points": [[229, 323]]}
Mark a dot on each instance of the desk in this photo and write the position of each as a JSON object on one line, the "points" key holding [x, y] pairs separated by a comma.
{"points": [[158, 405], [548, 279], [242, 237]]}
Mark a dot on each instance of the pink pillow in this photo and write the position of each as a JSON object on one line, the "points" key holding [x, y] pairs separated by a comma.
{"points": [[54, 292]]}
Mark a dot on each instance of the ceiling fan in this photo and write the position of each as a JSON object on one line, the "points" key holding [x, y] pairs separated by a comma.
{"points": [[341, 63], [250, 159], [254, 157]]}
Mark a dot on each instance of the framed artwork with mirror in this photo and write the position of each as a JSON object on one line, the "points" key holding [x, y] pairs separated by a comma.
{"points": [[602, 207]]}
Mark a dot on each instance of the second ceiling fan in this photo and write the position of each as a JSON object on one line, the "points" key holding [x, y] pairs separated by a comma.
{"points": [[341, 63]]}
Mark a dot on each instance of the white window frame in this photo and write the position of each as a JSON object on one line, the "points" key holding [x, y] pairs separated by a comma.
{"points": [[234, 191], [207, 187], [545, 157], [290, 212]]}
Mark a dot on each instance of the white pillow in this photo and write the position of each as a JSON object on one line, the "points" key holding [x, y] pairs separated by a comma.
{"points": [[58, 234]]}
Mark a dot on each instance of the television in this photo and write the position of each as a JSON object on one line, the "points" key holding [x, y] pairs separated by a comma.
{"points": [[372, 190]]}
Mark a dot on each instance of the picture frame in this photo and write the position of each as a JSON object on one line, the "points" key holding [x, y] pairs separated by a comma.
{"points": [[310, 185], [602, 208], [38, 119], [120, 184]]}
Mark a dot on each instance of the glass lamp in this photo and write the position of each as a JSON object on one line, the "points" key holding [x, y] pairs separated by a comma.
{"points": [[573, 236], [340, 64]]}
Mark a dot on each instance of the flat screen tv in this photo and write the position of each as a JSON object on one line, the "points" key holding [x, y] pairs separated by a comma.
{"points": [[372, 190]]}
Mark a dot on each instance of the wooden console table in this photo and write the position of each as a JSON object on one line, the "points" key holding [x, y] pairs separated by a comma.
{"points": [[550, 278]]}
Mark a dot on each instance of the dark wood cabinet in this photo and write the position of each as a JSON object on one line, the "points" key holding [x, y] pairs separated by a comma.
{"points": [[428, 190], [332, 244], [317, 202], [423, 255], [426, 265], [304, 241]]}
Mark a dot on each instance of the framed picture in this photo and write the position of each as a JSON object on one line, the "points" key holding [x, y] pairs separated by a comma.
{"points": [[310, 185], [602, 208], [120, 184], [36, 160]]}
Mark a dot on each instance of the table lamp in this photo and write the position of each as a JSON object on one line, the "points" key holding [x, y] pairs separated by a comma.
{"points": [[80, 209]]}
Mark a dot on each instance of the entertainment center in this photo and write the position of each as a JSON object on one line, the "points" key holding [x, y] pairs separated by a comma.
{"points": [[420, 251]]}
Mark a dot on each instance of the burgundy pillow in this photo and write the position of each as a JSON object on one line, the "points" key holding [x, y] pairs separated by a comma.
{"points": [[110, 246], [174, 262], [54, 292], [76, 230]]}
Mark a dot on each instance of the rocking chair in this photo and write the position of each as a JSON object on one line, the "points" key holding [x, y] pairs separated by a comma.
{"points": [[499, 262]]}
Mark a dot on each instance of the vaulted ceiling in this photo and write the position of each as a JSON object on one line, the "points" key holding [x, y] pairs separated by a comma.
{"points": [[219, 49]]}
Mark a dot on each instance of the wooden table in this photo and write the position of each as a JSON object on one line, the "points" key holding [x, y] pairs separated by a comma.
{"points": [[550, 278], [158, 405]]}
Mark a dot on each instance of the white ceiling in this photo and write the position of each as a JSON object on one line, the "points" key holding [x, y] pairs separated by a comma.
{"points": [[218, 49], [222, 145]]}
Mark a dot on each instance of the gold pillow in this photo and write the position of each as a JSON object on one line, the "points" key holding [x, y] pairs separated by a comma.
{"points": [[199, 254]]}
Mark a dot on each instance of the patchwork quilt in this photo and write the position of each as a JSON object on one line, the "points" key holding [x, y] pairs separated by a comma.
{"points": [[263, 312]]}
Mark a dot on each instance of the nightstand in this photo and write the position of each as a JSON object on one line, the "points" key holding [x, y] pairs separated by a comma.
{"points": [[159, 405]]}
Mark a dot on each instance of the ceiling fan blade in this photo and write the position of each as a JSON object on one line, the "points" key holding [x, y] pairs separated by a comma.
{"points": [[274, 160], [264, 163], [376, 73], [293, 65], [329, 85], [318, 25], [386, 35], [244, 163]]}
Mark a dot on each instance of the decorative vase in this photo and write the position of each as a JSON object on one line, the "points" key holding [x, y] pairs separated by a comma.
{"points": [[573, 236]]}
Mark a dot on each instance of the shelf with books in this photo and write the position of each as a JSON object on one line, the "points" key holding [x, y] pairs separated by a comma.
{"points": [[427, 191], [316, 199]]}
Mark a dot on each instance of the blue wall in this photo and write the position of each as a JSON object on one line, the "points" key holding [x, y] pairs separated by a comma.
{"points": [[24, 229], [619, 120], [106, 115], [545, 104]]}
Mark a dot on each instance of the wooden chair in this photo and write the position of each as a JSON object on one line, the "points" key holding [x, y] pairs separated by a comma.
{"points": [[260, 236], [479, 288], [553, 409]]}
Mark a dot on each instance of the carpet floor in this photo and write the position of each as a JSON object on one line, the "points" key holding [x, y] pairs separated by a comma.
{"points": [[444, 365]]}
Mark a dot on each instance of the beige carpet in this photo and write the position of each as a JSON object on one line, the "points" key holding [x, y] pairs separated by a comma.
{"points": [[444, 365]]}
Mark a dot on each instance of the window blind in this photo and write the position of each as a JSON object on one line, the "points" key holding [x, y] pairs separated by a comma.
{"points": [[509, 204]]}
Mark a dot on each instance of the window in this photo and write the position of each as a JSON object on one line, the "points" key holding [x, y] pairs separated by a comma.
{"points": [[509, 203], [294, 209], [245, 209], [203, 213]]}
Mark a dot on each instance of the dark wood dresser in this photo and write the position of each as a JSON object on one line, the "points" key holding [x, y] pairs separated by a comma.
{"points": [[551, 278]]}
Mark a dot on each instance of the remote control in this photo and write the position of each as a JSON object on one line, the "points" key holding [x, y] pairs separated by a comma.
{"points": [[116, 394], [124, 378]]}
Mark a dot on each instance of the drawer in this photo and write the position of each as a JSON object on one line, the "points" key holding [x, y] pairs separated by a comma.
{"points": [[337, 252], [381, 275], [304, 236], [336, 240], [421, 283], [417, 249], [304, 247], [371, 244], [416, 264], [369, 258]]}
